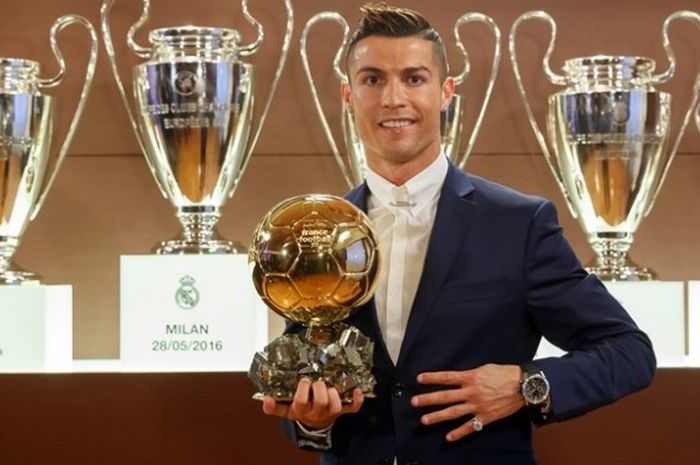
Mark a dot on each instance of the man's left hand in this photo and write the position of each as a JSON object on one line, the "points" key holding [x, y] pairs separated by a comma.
{"points": [[489, 393]]}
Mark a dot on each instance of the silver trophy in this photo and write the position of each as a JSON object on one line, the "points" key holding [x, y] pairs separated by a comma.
{"points": [[194, 100], [29, 161], [609, 133], [353, 164]]}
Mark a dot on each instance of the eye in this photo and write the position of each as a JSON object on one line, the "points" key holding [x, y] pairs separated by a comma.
{"points": [[415, 79], [371, 79]]}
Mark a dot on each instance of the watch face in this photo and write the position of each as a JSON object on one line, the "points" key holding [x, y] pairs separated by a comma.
{"points": [[535, 389]]}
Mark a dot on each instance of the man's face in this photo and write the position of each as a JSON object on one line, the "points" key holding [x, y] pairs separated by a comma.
{"points": [[396, 97]]}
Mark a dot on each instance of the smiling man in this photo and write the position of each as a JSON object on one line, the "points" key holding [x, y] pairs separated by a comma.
{"points": [[476, 274]]}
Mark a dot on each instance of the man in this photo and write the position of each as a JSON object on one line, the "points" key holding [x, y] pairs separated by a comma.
{"points": [[476, 274]]}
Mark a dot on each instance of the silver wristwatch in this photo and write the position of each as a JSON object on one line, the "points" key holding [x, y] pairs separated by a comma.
{"points": [[534, 386]]}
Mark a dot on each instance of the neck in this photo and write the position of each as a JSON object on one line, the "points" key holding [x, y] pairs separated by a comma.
{"points": [[400, 172]]}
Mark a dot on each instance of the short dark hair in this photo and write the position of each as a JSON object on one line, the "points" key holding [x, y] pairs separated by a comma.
{"points": [[380, 19]]}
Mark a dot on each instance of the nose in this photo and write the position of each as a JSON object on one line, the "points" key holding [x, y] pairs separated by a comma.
{"points": [[394, 94]]}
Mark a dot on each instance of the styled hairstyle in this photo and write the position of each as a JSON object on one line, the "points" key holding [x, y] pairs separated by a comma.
{"points": [[380, 19]]}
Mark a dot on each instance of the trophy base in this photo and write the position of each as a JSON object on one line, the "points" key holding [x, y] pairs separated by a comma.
{"points": [[340, 355], [612, 262], [188, 247], [629, 271], [12, 274], [18, 277]]}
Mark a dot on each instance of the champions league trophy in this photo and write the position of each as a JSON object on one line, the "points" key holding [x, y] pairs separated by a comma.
{"points": [[314, 261], [609, 131], [354, 164], [28, 160], [193, 117]]}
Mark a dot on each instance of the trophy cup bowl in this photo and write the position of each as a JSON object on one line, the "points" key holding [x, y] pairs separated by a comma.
{"points": [[354, 164], [28, 163], [195, 117], [610, 148], [314, 261], [609, 132], [194, 99]]}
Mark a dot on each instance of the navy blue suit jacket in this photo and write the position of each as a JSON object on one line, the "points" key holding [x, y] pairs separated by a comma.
{"points": [[498, 276]]}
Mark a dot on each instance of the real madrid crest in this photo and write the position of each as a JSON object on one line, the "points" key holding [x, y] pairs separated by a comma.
{"points": [[187, 295]]}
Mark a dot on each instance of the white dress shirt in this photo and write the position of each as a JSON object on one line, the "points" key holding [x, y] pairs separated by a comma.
{"points": [[403, 218]]}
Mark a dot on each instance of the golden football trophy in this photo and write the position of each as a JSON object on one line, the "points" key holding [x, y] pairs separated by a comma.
{"points": [[314, 261]]}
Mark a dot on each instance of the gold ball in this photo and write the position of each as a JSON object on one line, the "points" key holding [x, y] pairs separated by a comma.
{"points": [[314, 259]]}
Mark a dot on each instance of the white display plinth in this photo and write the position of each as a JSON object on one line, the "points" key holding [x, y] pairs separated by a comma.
{"points": [[694, 323], [658, 308], [189, 313], [36, 328]]}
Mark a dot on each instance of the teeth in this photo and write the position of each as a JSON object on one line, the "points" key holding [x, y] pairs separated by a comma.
{"points": [[395, 123]]}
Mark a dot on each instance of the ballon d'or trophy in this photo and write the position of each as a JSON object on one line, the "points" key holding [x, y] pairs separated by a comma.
{"points": [[609, 132], [314, 261], [29, 161], [193, 117], [353, 164]]}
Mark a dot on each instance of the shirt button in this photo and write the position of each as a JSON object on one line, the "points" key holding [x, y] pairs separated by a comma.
{"points": [[399, 390]]}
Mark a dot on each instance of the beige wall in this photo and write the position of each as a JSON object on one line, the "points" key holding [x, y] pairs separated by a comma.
{"points": [[105, 204]]}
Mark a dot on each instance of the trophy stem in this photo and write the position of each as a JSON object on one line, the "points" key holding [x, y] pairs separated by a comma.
{"points": [[9, 272], [199, 235], [612, 262]]}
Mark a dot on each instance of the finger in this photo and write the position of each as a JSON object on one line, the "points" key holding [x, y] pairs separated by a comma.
{"points": [[335, 406], [301, 396], [458, 433], [448, 396], [450, 413], [320, 396], [443, 377], [358, 399], [271, 407]]}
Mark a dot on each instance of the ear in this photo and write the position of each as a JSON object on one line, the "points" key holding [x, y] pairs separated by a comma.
{"points": [[448, 90], [346, 95]]}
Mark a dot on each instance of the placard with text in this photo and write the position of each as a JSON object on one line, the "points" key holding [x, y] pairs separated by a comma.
{"points": [[189, 313]]}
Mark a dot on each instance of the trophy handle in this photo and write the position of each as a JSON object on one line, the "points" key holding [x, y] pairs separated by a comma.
{"points": [[488, 21], [247, 50], [141, 52], [109, 48], [554, 78], [252, 48], [327, 16], [664, 77], [60, 24]]}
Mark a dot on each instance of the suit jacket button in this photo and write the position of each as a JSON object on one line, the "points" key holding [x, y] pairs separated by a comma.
{"points": [[399, 390]]}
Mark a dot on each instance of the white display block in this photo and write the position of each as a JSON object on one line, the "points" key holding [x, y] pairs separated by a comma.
{"points": [[189, 313], [694, 323], [658, 308], [36, 328]]}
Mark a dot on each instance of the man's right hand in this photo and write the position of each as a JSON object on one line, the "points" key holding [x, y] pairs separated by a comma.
{"points": [[315, 405]]}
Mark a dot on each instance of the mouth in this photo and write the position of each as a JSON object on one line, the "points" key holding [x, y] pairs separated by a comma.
{"points": [[396, 123]]}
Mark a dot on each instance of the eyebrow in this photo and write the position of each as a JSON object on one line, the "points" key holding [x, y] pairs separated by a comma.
{"points": [[409, 70]]}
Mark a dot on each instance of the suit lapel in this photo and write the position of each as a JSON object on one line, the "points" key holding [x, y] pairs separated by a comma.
{"points": [[454, 216]]}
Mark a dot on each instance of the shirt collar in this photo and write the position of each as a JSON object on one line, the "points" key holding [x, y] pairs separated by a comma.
{"points": [[418, 191]]}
